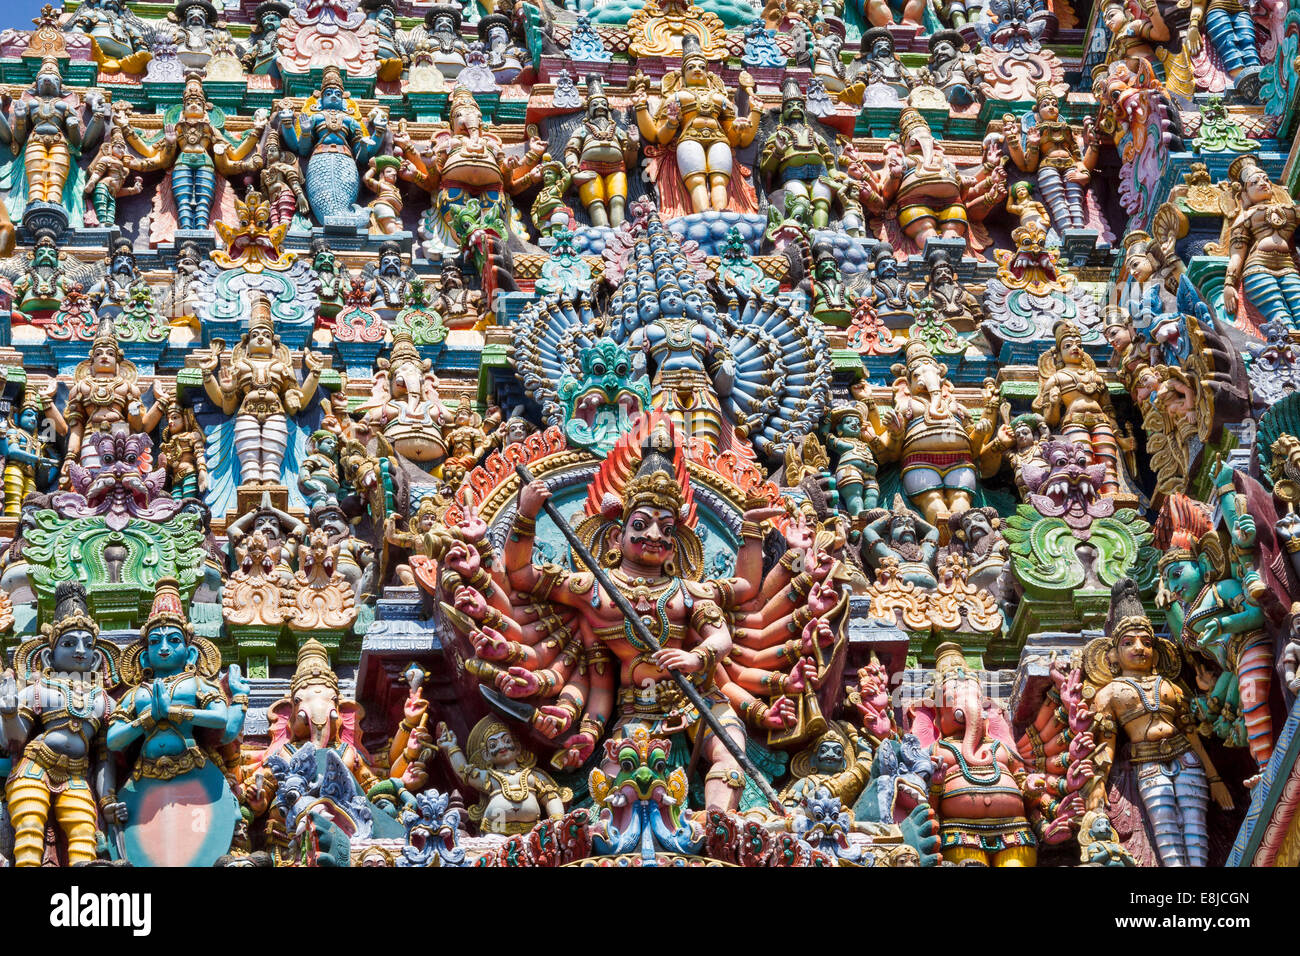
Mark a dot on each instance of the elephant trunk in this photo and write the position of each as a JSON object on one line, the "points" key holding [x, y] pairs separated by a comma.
{"points": [[970, 709]]}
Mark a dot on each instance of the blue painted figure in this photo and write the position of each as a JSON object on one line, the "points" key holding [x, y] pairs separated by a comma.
{"points": [[175, 786], [330, 133]]}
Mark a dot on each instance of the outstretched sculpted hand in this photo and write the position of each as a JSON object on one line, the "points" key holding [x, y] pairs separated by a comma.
{"points": [[462, 559], [550, 721], [470, 602], [577, 750], [490, 645], [517, 682], [781, 714]]}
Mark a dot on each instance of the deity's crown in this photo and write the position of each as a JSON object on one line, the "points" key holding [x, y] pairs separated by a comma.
{"points": [[1126, 611], [404, 349], [168, 608], [917, 352], [692, 49], [655, 484], [1043, 91], [1135, 237], [49, 64], [1066, 328], [313, 667], [595, 90], [462, 98], [1115, 315], [948, 660], [791, 91], [105, 334], [1241, 166], [908, 120], [70, 612], [332, 78], [259, 314]]}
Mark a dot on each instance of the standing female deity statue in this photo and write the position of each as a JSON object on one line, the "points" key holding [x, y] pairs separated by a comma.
{"points": [[197, 148], [1261, 244], [1062, 157], [262, 391], [698, 120], [46, 133], [1134, 675], [1073, 398], [331, 132], [57, 721]]}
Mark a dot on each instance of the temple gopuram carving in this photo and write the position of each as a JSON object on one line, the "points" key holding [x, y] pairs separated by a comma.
{"points": [[524, 433]]}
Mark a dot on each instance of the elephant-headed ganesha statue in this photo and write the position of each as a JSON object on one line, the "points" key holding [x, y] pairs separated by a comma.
{"points": [[981, 788]]}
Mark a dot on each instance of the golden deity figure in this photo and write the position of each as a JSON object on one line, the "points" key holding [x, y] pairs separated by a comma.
{"points": [[1074, 399], [46, 132], [105, 396], [699, 128], [599, 156], [515, 793], [261, 391]]}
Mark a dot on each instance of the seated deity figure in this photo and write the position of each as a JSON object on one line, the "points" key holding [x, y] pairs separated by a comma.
{"points": [[698, 124], [932, 197]]}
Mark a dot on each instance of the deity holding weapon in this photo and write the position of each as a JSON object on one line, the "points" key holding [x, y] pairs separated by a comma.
{"points": [[653, 635], [57, 721], [515, 794]]}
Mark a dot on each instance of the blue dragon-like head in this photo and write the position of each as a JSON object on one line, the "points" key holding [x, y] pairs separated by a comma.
{"points": [[431, 832], [599, 406]]}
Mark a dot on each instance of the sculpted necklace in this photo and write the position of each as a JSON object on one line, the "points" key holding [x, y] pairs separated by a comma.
{"points": [[640, 592]]}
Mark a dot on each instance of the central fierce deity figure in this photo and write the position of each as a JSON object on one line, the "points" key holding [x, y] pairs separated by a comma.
{"points": [[654, 557]]}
